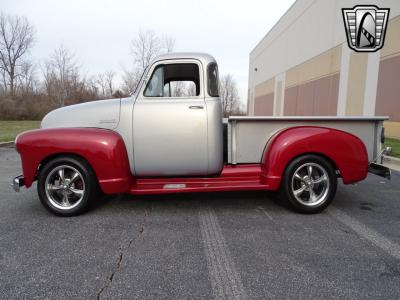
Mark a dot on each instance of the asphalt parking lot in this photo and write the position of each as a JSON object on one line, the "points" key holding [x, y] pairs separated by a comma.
{"points": [[201, 246]]}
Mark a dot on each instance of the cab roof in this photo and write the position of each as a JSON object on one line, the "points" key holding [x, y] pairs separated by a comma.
{"points": [[204, 58]]}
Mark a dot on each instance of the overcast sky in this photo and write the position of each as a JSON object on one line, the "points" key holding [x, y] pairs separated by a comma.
{"points": [[99, 32]]}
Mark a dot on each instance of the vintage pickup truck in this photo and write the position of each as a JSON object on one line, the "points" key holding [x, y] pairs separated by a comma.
{"points": [[162, 141]]}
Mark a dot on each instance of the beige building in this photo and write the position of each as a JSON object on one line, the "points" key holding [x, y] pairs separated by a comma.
{"points": [[304, 67]]}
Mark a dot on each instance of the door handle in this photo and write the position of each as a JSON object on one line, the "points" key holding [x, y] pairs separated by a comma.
{"points": [[196, 107]]}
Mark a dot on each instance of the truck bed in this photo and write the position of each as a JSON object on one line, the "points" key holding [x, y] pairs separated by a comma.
{"points": [[247, 136]]}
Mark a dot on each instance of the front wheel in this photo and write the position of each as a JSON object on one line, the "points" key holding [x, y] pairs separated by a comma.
{"points": [[67, 186], [309, 184]]}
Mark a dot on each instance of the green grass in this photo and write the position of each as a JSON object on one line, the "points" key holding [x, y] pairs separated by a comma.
{"points": [[10, 129], [395, 144]]}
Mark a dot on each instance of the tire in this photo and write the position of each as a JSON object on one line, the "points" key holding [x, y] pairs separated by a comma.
{"points": [[305, 194], [67, 186]]}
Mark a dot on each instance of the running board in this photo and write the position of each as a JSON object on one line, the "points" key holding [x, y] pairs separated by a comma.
{"points": [[143, 188], [232, 178]]}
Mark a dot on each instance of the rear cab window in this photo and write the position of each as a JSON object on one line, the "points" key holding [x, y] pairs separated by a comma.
{"points": [[212, 80]]}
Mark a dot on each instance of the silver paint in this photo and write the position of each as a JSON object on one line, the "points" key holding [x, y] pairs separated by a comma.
{"points": [[100, 114], [247, 136], [215, 138], [169, 137]]}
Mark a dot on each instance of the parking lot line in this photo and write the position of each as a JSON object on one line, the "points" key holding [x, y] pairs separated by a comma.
{"points": [[369, 234], [225, 280], [266, 213]]}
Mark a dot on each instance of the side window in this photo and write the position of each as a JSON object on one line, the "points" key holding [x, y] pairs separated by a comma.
{"points": [[212, 80], [155, 86], [174, 80], [180, 89]]}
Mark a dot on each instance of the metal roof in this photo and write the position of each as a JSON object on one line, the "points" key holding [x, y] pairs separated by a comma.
{"points": [[203, 57]]}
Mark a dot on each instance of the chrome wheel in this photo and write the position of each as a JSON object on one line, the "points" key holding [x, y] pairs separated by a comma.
{"points": [[310, 184], [65, 187]]}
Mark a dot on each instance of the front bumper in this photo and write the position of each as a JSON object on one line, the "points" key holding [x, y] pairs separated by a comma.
{"points": [[18, 182]]}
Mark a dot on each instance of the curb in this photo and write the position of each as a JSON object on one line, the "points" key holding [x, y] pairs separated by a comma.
{"points": [[391, 158], [7, 144], [392, 162]]}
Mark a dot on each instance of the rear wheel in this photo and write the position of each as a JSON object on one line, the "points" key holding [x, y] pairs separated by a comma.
{"points": [[309, 184], [67, 186]]}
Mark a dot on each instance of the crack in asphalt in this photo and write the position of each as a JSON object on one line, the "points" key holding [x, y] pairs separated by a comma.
{"points": [[122, 249]]}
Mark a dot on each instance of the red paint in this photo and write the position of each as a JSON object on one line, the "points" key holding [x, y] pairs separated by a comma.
{"points": [[103, 149], [347, 151], [106, 153], [232, 178]]}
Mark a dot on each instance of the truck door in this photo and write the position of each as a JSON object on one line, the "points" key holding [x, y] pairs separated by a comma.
{"points": [[170, 121]]}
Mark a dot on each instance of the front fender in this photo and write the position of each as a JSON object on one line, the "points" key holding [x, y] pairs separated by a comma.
{"points": [[103, 149], [347, 152]]}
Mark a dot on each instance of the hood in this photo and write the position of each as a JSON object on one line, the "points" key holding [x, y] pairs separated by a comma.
{"points": [[99, 114]]}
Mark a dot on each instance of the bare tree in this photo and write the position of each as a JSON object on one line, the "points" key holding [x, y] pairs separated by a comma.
{"points": [[168, 43], [106, 83], [16, 39], [49, 78], [92, 86], [102, 83], [145, 47], [182, 89], [109, 76], [130, 80], [26, 79], [61, 71], [148, 45], [229, 96], [4, 83]]}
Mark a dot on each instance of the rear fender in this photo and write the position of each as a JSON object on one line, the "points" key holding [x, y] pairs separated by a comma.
{"points": [[103, 149], [346, 152]]}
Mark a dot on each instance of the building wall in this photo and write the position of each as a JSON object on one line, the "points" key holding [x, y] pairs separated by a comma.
{"points": [[356, 84], [312, 87], [304, 66], [264, 98]]}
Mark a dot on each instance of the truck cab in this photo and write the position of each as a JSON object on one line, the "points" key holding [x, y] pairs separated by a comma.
{"points": [[177, 113]]}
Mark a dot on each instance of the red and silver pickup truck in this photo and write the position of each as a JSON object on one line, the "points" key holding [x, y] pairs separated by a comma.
{"points": [[165, 139]]}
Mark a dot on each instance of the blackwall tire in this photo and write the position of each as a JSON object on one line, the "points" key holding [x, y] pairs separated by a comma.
{"points": [[309, 184], [67, 186]]}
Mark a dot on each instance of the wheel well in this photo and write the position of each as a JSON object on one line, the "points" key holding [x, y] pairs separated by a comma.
{"points": [[332, 162], [56, 155]]}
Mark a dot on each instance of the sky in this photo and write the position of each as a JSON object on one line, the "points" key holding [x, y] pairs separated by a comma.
{"points": [[99, 32]]}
